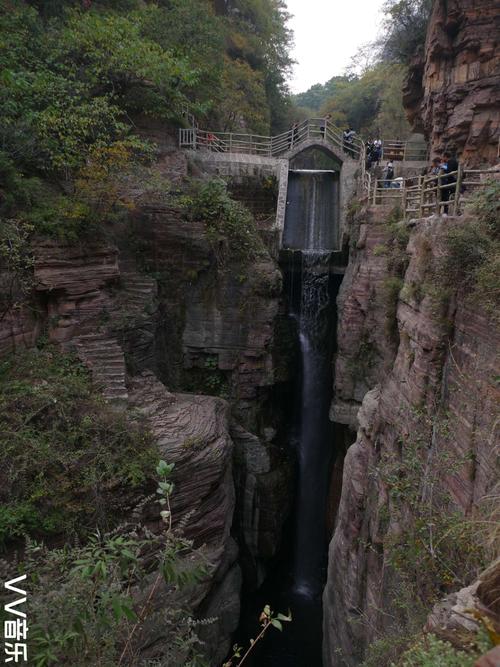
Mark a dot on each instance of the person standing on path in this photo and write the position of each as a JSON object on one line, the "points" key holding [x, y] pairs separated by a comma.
{"points": [[388, 174]]}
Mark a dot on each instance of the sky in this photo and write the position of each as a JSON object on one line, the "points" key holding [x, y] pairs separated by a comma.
{"points": [[327, 34]]}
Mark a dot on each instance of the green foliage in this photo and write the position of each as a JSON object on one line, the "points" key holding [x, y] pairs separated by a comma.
{"points": [[430, 651], [229, 226], [472, 249], [318, 94], [207, 379], [16, 263], [267, 619], [88, 604], [68, 461], [391, 287], [370, 102], [429, 547], [74, 76], [244, 98], [438, 549], [405, 29]]}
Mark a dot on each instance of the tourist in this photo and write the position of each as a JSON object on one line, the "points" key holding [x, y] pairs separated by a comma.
{"points": [[435, 168], [377, 150], [295, 133], [388, 174], [369, 153], [348, 137]]}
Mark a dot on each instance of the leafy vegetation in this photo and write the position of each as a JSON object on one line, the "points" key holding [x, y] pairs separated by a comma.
{"points": [[268, 619], [405, 29], [472, 251], [77, 77], [368, 97], [371, 103], [230, 227], [430, 547], [430, 651], [88, 604], [69, 463]]}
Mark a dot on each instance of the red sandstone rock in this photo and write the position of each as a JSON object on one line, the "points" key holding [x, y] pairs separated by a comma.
{"points": [[491, 659], [453, 90], [446, 358]]}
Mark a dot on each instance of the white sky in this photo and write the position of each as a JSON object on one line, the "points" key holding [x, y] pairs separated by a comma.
{"points": [[327, 34]]}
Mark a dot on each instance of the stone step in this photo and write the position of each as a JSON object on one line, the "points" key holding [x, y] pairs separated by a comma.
{"points": [[105, 359]]}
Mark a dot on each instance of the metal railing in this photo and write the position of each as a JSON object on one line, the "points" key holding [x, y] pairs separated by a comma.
{"points": [[318, 129], [422, 196]]}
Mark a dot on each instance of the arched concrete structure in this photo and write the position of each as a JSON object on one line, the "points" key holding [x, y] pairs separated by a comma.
{"points": [[324, 145]]}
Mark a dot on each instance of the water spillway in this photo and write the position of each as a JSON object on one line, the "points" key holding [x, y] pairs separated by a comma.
{"points": [[311, 220]]}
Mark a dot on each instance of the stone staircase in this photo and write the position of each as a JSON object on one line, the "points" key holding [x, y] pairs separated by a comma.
{"points": [[104, 357], [138, 290]]}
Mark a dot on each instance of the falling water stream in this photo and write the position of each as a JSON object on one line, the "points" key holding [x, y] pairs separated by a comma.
{"points": [[314, 443], [297, 581]]}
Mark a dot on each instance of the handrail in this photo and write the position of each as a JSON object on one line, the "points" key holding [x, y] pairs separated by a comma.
{"points": [[432, 193], [320, 129]]}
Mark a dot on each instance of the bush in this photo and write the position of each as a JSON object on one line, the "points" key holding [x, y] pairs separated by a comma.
{"points": [[229, 226], [391, 287], [97, 604], [68, 461], [472, 249], [431, 651]]}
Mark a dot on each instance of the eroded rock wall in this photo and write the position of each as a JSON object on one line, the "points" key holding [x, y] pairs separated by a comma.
{"points": [[453, 88], [445, 364]]}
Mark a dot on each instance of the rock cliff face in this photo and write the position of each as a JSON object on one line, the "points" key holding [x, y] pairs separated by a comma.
{"points": [[152, 309], [453, 90], [444, 363]]}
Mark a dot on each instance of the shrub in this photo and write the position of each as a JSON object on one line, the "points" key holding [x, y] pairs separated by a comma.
{"points": [[68, 461], [391, 288], [430, 651], [97, 604], [229, 226], [472, 248]]}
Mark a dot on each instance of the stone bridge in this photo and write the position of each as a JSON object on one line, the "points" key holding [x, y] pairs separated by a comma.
{"points": [[235, 155]]}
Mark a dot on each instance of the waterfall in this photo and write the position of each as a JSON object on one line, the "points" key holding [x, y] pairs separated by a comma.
{"points": [[311, 221], [311, 231], [313, 313]]}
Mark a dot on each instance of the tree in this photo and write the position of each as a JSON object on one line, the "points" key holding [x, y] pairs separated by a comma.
{"points": [[405, 29]]}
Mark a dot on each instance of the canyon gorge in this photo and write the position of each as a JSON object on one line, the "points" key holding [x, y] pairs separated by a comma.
{"points": [[320, 367]]}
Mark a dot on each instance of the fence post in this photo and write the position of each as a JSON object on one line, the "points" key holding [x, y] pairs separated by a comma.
{"points": [[458, 187], [404, 202], [421, 206], [375, 192], [437, 208], [230, 142]]}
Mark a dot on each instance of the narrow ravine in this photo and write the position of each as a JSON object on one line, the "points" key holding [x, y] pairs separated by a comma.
{"points": [[311, 283]]}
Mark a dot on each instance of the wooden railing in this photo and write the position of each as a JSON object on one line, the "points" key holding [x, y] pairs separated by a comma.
{"points": [[410, 151], [255, 144], [424, 195]]}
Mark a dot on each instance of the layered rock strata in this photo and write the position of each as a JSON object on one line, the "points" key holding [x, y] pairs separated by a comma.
{"points": [[446, 364], [453, 88]]}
